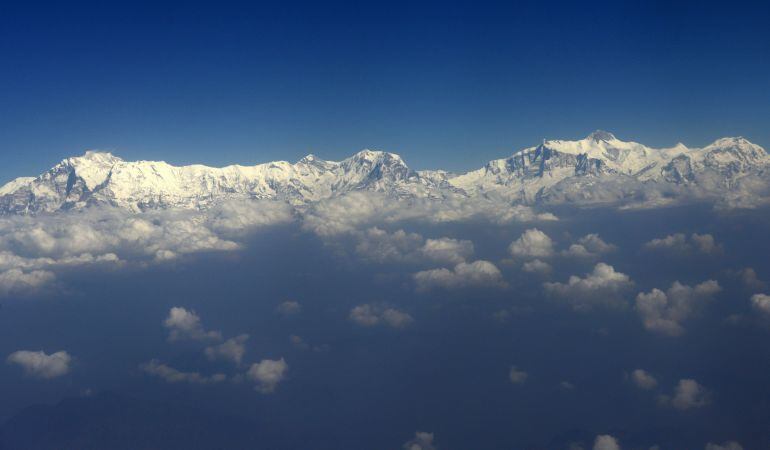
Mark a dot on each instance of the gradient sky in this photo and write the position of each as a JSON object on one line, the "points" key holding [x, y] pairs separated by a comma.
{"points": [[448, 85]]}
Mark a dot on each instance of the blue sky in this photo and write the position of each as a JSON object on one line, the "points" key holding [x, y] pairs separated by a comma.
{"points": [[447, 85]]}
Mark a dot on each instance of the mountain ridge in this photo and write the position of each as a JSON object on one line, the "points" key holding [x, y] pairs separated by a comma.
{"points": [[597, 169]]}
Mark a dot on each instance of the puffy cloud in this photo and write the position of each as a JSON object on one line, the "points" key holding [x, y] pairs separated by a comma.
{"points": [[421, 441], [41, 365], [606, 442], [289, 308], [680, 243], [447, 250], [359, 209], [231, 350], [761, 303], [688, 394], [749, 278], [478, 273], [730, 445], [589, 246], [17, 282], [517, 376], [533, 243], [377, 245], [267, 374], [370, 315], [172, 375], [184, 324], [663, 312], [537, 266], [600, 287], [643, 379]]}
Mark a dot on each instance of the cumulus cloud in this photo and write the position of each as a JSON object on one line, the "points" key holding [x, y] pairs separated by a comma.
{"points": [[683, 244], [184, 324], [380, 246], [750, 279], [688, 394], [730, 445], [517, 376], [478, 273], [761, 303], [370, 315], [421, 441], [359, 209], [643, 379], [537, 266], [16, 282], [231, 350], [41, 365], [663, 312], [267, 374], [589, 246], [533, 243], [288, 308], [172, 375], [600, 287], [606, 442]]}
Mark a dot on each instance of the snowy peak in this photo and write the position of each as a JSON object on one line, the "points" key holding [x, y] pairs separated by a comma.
{"points": [[601, 135]]}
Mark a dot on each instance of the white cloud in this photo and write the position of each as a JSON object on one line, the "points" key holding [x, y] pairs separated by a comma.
{"points": [[600, 287], [447, 250], [749, 278], [421, 441], [533, 243], [380, 246], [517, 376], [370, 315], [761, 303], [537, 266], [682, 244], [289, 308], [688, 394], [183, 324], [606, 442], [41, 365], [478, 273], [643, 379], [172, 375], [231, 350], [663, 312], [17, 282], [730, 445], [589, 246], [267, 374]]}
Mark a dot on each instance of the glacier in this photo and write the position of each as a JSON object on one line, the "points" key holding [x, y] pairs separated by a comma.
{"points": [[597, 170]]}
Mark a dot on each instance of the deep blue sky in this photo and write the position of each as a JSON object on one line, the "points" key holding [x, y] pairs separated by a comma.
{"points": [[447, 85]]}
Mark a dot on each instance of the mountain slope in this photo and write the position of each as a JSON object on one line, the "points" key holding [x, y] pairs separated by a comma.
{"points": [[597, 169]]}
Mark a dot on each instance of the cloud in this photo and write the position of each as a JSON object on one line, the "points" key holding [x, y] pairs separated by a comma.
{"points": [[682, 244], [663, 312], [267, 374], [357, 210], [184, 324], [15, 282], [377, 245], [421, 441], [368, 315], [517, 376], [478, 273], [761, 303], [643, 379], [730, 445], [288, 308], [688, 394], [172, 375], [589, 246], [606, 442], [41, 365], [600, 287], [533, 243], [537, 266], [749, 278], [231, 350]]}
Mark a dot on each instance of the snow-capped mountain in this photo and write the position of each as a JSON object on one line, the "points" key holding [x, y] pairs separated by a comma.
{"points": [[597, 169]]}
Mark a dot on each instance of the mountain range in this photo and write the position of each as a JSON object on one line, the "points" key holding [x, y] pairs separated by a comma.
{"points": [[597, 170]]}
